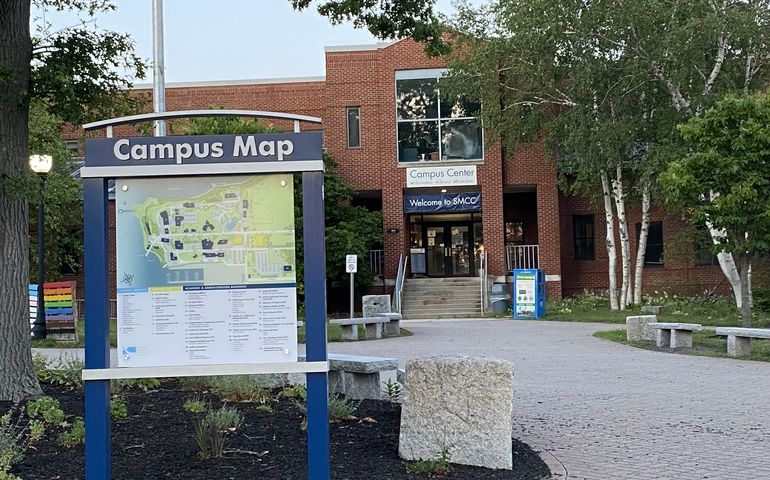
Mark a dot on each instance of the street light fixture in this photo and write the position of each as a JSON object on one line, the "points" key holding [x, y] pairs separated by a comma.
{"points": [[40, 164]]}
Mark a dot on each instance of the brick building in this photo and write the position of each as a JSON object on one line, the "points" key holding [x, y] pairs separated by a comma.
{"points": [[445, 192]]}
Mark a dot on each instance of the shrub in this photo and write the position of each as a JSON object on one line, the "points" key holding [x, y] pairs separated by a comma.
{"points": [[340, 409], [294, 391], [194, 405], [48, 409], [65, 370], [240, 388], [761, 297], [210, 431], [264, 408], [438, 467], [13, 443], [118, 408], [75, 436], [145, 384]]}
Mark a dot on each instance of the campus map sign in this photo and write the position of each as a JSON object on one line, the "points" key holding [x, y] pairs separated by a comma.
{"points": [[206, 270]]}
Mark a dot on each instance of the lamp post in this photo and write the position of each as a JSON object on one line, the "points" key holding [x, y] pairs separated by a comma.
{"points": [[40, 164]]}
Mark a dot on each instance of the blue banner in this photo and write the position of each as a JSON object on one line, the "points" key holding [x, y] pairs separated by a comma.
{"points": [[442, 202]]}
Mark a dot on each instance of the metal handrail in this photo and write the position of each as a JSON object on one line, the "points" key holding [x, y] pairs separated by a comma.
{"points": [[399, 287], [483, 282], [522, 256]]}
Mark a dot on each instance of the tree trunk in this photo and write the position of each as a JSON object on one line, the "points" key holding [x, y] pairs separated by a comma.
{"points": [[609, 221], [642, 246], [745, 291], [17, 376], [625, 245], [726, 260]]}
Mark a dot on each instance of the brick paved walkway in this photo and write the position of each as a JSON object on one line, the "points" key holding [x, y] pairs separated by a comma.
{"points": [[607, 411]]}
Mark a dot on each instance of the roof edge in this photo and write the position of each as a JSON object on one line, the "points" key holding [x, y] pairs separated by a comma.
{"points": [[358, 48], [225, 83]]}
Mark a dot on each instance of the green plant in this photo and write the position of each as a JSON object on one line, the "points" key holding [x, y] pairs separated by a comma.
{"points": [[36, 430], [761, 297], [145, 384], [76, 435], [297, 391], [194, 405], [118, 408], [438, 466], [340, 409], [210, 431], [13, 442], [264, 408], [65, 370], [240, 388], [48, 409], [392, 391]]}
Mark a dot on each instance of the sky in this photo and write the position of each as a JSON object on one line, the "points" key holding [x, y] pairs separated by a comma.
{"points": [[209, 40]]}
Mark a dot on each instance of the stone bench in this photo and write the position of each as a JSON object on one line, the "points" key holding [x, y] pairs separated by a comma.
{"points": [[393, 327], [358, 376], [638, 328], [739, 339], [372, 326], [674, 335]]}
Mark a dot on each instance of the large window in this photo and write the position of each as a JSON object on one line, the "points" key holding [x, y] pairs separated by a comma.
{"points": [[583, 236], [653, 255], [354, 127], [432, 126]]}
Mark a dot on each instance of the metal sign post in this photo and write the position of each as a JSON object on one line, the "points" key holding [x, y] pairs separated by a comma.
{"points": [[351, 266], [175, 157]]}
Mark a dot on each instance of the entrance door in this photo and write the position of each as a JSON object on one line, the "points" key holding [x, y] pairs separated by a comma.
{"points": [[448, 250]]}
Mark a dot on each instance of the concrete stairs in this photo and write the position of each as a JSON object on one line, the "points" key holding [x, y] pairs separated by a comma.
{"points": [[453, 297]]}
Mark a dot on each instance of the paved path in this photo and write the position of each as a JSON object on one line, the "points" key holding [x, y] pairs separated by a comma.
{"points": [[606, 411]]}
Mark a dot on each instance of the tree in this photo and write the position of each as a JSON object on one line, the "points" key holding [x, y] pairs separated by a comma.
{"points": [[605, 83], [726, 180], [72, 72]]}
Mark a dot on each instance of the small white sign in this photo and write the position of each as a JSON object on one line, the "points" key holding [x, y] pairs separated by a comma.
{"points": [[351, 263], [441, 176]]}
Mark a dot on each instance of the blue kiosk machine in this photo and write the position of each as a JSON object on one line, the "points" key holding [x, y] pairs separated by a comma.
{"points": [[528, 293]]}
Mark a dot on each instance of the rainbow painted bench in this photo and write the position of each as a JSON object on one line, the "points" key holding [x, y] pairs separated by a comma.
{"points": [[60, 310]]}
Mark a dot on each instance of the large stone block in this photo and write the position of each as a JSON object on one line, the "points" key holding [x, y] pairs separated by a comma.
{"points": [[459, 403], [638, 328], [374, 305]]}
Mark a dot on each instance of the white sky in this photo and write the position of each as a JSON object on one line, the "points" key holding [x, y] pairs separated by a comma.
{"points": [[231, 39]]}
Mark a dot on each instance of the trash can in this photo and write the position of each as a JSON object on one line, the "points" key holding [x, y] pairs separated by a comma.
{"points": [[500, 298]]}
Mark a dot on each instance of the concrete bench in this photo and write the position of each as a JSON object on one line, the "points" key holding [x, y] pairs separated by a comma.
{"points": [[393, 327], [372, 326], [739, 339], [674, 335], [358, 376]]}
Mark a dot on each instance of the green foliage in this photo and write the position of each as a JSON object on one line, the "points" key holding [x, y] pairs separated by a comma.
{"points": [[65, 370], [386, 19], [761, 297], [118, 408], [297, 391], [731, 144], [48, 409], [145, 384], [392, 391], [210, 431], [264, 408], [438, 466], [75, 436], [13, 442], [240, 388], [221, 126], [194, 405], [340, 409], [36, 430]]}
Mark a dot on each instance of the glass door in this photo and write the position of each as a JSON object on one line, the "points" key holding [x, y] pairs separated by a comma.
{"points": [[448, 250]]}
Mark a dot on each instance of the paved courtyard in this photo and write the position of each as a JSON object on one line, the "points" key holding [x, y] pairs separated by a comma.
{"points": [[600, 410], [607, 411]]}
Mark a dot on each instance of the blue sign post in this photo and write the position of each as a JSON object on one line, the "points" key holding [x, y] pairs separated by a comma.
{"points": [[173, 156]]}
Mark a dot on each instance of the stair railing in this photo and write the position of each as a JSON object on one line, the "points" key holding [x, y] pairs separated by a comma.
{"points": [[399, 288], [483, 281]]}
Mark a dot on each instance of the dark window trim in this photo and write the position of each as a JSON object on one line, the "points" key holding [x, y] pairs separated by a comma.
{"points": [[347, 127], [583, 220]]}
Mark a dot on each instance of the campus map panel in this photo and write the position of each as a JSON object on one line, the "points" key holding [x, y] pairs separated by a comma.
{"points": [[206, 270]]}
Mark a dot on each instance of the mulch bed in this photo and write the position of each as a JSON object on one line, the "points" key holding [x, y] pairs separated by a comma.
{"points": [[156, 442]]}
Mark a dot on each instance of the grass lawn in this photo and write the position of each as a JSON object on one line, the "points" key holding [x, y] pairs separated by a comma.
{"points": [[704, 343], [710, 311]]}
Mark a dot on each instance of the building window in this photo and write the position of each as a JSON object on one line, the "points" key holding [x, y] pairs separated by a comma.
{"points": [[432, 126], [653, 255], [354, 127], [704, 255], [583, 235]]}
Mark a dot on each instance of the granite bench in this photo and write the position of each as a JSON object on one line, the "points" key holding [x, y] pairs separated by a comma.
{"points": [[393, 327], [357, 376], [372, 326], [674, 335], [739, 339]]}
